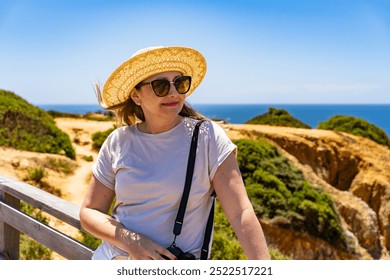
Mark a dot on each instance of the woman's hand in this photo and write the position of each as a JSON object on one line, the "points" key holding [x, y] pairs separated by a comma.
{"points": [[140, 247]]}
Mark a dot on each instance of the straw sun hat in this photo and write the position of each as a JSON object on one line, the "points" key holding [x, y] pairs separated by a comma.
{"points": [[146, 63]]}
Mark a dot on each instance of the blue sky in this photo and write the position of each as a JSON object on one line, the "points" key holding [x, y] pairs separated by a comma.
{"points": [[264, 51]]}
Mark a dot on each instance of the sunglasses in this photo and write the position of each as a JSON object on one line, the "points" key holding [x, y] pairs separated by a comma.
{"points": [[161, 87]]}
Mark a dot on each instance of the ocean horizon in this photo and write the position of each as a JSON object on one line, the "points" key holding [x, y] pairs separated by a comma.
{"points": [[311, 114]]}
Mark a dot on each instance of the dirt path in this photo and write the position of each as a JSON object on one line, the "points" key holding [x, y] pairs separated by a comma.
{"points": [[80, 132], [14, 164], [74, 188]]}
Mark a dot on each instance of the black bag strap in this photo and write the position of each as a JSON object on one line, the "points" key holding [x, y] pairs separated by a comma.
{"points": [[188, 181], [209, 228], [186, 192]]}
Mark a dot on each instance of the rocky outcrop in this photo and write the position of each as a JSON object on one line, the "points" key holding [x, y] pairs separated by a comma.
{"points": [[303, 246], [353, 170]]}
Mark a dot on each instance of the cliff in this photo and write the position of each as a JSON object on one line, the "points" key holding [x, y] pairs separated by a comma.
{"points": [[26, 127], [352, 169]]}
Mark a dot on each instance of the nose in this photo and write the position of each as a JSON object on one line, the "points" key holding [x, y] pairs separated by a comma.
{"points": [[172, 88]]}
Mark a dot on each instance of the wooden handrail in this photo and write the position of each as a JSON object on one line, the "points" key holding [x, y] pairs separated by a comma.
{"points": [[13, 221]]}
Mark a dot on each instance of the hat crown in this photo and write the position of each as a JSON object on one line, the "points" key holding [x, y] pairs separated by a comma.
{"points": [[144, 50]]}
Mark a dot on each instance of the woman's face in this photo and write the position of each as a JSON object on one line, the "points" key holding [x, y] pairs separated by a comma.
{"points": [[153, 106]]}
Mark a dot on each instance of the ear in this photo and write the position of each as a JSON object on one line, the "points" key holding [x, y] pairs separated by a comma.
{"points": [[135, 96]]}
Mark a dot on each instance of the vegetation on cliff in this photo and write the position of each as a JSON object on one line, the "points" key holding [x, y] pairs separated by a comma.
{"points": [[29, 248], [225, 242], [356, 126], [99, 137], [96, 116], [277, 189], [26, 127], [277, 117]]}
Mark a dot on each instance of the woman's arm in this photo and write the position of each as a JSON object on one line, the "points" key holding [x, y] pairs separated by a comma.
{"points": [[230, 189], [94, 219]]}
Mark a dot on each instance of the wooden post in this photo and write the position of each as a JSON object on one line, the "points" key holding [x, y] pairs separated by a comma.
{"points": [[9, 236]]}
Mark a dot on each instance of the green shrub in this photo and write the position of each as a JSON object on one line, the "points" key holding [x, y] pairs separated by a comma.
{"points": [[356, 126], [26, 127], [32, 250], [89, 240], [60, 165], [99, 137], [277, 117], [88, 158], [276, 188], [100, 117], [97, 116], [35, 174], [29, 248], [56, 114], [225, 243]]}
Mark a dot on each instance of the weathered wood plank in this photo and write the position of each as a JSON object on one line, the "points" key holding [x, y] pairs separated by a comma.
{"points": [[49, 237], [9, 236], [53, 205]]}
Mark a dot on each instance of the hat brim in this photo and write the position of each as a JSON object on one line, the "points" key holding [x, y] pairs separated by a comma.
{"points": [[141, 66]]}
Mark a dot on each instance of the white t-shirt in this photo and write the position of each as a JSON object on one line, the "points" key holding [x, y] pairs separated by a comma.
{"points": [[147, 173]]}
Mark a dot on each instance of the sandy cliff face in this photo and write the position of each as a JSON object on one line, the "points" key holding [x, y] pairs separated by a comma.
{"points": [[353, 170]]}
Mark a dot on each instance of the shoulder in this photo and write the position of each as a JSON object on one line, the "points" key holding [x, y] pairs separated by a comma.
{"points": [[119, 135], [208, 128]]}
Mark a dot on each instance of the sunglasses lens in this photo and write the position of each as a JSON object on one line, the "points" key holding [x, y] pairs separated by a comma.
{"points": [[161, 87], [183, 84]]}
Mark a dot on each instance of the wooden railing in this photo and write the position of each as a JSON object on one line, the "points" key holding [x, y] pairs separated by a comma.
{"points": [[13, 221]]}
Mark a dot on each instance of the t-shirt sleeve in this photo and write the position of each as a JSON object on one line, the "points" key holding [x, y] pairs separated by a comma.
{"points": [[102, 168], [220, 147]]}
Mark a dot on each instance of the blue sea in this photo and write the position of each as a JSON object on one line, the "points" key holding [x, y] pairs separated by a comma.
{"points": [[240, 113]]}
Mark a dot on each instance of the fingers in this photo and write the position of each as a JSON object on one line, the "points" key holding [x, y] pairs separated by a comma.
{"points": [[166, 255], [146, 249], [154, 255], [161, 253]]}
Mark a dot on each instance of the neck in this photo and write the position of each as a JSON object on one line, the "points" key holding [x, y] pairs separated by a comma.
{"points": [[160, 126]]}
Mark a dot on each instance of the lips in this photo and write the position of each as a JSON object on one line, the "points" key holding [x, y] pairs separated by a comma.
{"points": [[170, 104]]}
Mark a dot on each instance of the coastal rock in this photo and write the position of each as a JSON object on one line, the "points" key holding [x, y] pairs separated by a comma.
{"points": [[375, 190], [359, 220], [353, 170], [303, 246]]}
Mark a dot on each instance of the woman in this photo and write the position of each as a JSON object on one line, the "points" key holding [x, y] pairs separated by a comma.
{"points": [[143, 164]]}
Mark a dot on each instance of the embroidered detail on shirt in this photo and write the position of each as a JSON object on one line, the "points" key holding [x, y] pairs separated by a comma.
{"points": [[189, 124]]}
